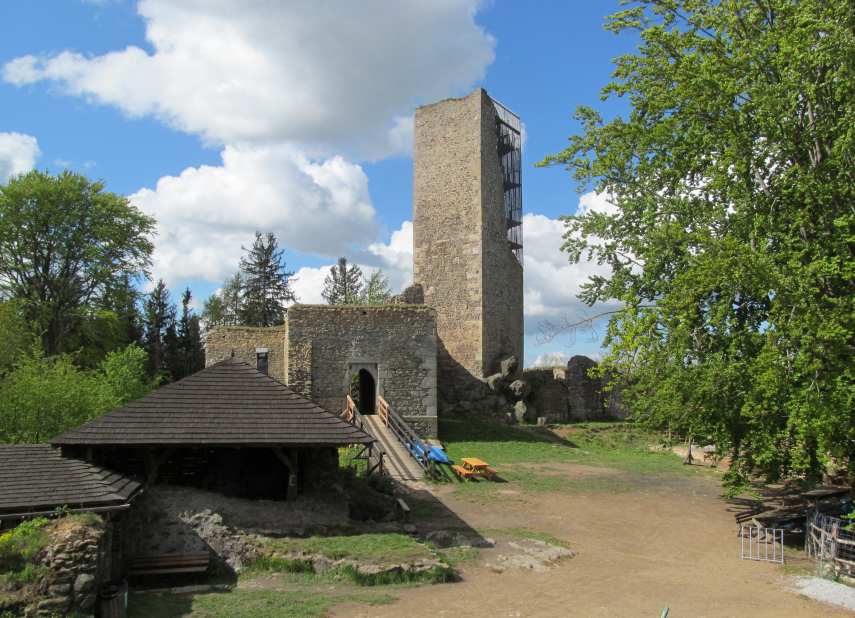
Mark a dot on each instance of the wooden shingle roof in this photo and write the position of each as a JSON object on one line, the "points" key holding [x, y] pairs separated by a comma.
{"points": [[226, 404], [37, 478]]}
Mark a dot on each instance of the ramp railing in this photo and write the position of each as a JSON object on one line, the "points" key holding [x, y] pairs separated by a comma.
{"points": [[417, 449], [372, 453]]}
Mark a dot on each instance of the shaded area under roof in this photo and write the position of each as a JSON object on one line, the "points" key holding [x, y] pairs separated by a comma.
{"points": [[37, 478], [228, 404]]}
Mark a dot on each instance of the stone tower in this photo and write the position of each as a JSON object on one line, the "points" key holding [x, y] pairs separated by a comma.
{"points": [[467, 235]]}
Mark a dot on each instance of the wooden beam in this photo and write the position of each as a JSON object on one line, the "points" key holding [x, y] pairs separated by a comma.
{"points": [[152, 463], [285, 459], [292, 478]]}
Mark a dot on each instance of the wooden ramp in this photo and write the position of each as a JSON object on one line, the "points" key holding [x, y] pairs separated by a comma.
{"points": [[400, 465]]}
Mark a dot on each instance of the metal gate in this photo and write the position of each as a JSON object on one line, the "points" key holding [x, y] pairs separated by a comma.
{"points": [[764, 544]]}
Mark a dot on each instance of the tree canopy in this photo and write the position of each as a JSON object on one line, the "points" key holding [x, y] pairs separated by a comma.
{"points": [[68, 250], [266, 284], [731, 240], [344, 284]]}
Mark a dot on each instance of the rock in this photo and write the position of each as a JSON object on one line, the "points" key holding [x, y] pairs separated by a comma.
{"points": [[411, 529], [86, 601], [496, 382], [584, 393], [57, 603], [369, 569], [395, 568], [413, 295], [525, 412], [541, 421], [84, 583], [520, 389], [321, 564], [508, 365], [59, 590], [191, 589]]}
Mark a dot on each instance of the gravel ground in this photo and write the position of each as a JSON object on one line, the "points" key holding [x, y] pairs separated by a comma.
{"points": [[826, 591]]}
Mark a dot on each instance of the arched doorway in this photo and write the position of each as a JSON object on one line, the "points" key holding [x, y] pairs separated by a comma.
{"points": [[364, 392]]}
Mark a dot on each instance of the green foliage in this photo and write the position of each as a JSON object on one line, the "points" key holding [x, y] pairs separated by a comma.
{"points": [[222, 308], [343, 286], [391, 548], [14, 334], [375, 289], [247, 604], [67, 250], [436, 575], [266, 285], [44, 397], [732, 236], [20, 544]]}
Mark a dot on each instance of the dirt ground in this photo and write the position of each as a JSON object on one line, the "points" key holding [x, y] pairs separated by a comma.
{"points": [[671, 541]]}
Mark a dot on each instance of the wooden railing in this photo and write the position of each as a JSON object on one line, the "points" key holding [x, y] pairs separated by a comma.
{"points": [[417, 449], [372, 453]]}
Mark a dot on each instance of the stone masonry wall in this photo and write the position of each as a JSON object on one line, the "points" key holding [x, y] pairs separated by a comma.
{"points": [[328, 344], [460, 252], [221, 340]]}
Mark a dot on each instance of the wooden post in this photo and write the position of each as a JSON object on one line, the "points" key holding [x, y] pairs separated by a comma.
{"points": [[291, 462], [152, 463], [688, 460]]}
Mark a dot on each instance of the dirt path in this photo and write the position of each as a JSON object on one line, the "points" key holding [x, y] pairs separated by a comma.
{"points": [[670, 542]]}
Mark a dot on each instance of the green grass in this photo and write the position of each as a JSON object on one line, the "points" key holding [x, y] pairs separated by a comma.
{"points": [[246, 604], [382, 548], [621, 446], [523, 533]]}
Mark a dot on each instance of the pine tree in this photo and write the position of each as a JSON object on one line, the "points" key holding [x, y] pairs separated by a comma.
{"points": [[189, 356], [222, 308], [160, 336], [343, 285], [266, 285]]}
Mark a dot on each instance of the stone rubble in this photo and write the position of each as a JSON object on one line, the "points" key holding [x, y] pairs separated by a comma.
{"points": [[538, 556]]}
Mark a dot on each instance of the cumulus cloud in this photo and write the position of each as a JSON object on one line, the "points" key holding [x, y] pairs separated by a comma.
{"points": [[18, 153], [206, 213], [552, 283], [327, 74]]}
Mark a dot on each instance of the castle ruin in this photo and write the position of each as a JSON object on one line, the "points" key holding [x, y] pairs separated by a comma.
{"points": [[442, 338]]}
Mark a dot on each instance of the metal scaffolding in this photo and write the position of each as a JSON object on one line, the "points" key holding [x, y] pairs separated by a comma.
{"points": [[509, 147]]}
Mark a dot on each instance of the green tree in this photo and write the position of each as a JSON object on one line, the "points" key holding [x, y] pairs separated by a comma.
{"points": [[266, 284], [15, 337], [65, 246], [44, 397], [375, 289], [160, 330], [343, 285], [189, 356], [222, 308], [732, 237]]}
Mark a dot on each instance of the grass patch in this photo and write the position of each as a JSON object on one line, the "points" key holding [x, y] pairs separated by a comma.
{"points": [[622, 446], [523, 533], [436, 575], [389, 548], [455, 556], [21, 544], [246, 604], [269, 564]]}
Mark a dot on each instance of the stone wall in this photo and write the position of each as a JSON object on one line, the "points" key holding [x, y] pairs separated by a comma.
{"points": [[460, 253], [244, 341], [396, 344], [565, 394], [79, 560]]}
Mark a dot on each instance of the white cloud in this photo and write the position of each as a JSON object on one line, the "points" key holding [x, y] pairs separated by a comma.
{"points": [[18, 153], [206, 213], [326, 74]]}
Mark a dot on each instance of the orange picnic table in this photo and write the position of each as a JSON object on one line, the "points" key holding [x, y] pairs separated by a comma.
{"points": [[474, 467]]}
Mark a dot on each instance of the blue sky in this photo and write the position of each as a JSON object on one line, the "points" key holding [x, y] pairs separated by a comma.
{"points": [[225, 117]]}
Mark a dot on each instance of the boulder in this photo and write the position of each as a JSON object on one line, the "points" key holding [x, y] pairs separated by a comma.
{"points": [[508, 365], [495, 382], [520, 389], [525, 412]]}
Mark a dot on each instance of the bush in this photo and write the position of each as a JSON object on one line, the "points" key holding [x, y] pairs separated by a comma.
{"points": [[20, 545]]}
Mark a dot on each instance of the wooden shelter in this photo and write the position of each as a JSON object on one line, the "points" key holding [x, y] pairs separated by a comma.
{"points": [[229, 405], [35, 480]]}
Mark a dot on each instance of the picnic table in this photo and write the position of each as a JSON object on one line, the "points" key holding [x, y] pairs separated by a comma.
{"points": [[474, 468]]}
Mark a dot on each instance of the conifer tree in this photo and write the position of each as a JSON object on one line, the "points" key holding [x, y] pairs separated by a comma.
{"points": [[266, 284], [344, 284], [160, 335], [189, 355]]}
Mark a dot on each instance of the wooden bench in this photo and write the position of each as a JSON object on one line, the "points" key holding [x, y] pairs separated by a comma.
{"points": [[487, 473], [193, 562]]}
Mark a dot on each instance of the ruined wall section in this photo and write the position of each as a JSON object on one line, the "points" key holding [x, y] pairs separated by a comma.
{"points": [[502, 273], [400, 341], [221, 340]]}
